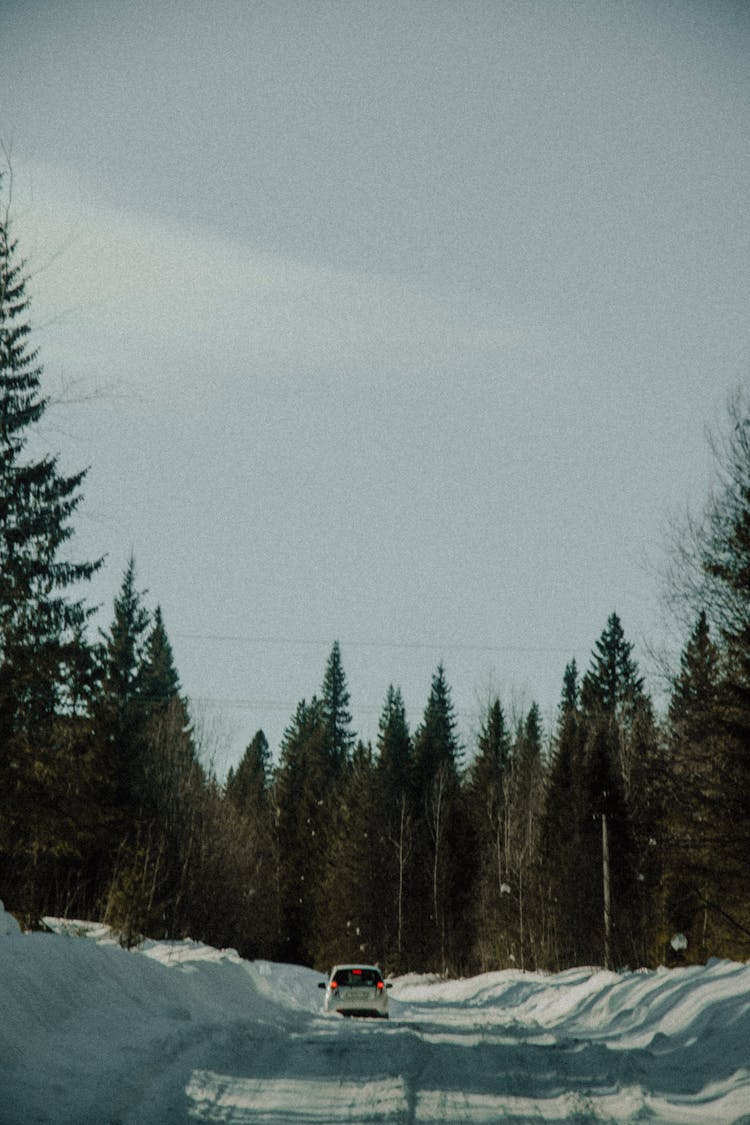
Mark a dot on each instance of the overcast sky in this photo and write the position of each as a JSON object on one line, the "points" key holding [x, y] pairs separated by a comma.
{"points": [[403, 322]]}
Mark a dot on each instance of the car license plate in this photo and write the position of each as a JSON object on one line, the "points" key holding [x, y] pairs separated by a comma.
{"points": [[352, 994]]}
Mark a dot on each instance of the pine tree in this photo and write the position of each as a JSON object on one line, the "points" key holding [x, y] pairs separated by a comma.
{"points": [[694, 809], [490, 768], [608, 842], [41, 624], [125, 642], [121, 710], [335, 702], [721, 548], [487, 797], [306, 790], [526, 804], [158, 790], [248, 791], [247, 786], [159, 683], [394, 802], [569, 697], [436, 742], [565, 863], [612, 691], [622, 743], [441, 881], [394, 742], [612, 683], [347, 915]]}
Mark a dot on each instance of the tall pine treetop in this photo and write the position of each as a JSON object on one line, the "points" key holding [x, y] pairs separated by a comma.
{"points": [[126, 640], [612, 680], [436, 742], [160, 683], [39, 623], [570, 691], [46, 671], [493, 748], [36, 501], [394, 742], [247, 786], [335, 701], [695, 688]]}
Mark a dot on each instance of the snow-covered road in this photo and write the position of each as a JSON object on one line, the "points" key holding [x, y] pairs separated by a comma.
{"points": [[93, 1035]]}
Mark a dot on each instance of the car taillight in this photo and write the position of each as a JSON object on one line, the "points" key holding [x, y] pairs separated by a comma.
{"points": [[380, 984], [334, 984]]}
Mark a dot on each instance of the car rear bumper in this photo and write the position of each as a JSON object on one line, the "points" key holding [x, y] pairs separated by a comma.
{"points": [[375, 1013]]}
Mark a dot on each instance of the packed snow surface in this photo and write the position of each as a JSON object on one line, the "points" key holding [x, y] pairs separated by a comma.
{"points": [[178, 1032]]}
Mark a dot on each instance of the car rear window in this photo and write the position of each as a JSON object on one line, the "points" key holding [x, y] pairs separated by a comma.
{"points": [[348, 978]]}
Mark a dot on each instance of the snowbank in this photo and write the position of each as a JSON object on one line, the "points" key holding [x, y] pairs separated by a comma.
{"points": [[8, 924], [179, 1032]]}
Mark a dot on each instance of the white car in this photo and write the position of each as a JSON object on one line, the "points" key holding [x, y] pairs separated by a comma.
{"points": [[356, 990]]}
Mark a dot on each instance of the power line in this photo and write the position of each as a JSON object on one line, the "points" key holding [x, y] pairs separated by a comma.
{"points": [[412, 646], [264, 704]]}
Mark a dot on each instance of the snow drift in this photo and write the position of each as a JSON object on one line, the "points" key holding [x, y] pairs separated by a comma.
{"points": [[179, 1032]]}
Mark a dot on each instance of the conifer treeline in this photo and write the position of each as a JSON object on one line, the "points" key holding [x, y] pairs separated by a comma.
{"points": [[617, 837]]}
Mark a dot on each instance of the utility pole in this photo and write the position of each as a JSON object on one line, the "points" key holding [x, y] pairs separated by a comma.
{"points": [[606, 886]]}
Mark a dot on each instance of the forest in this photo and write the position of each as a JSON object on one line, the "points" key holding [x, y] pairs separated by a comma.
{"points": [[619, 837]]}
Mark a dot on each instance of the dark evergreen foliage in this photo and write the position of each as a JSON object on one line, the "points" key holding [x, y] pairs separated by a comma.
{"points": [[488, 799], [606, 810], [335, 704], [440, 877], [570, 690], [347, 915], [121, 710], [393, 798], [305, 792], [247, 786], [159, 682], [612, 683], [562, 849], [623, 833], [489, 770], [436, 742], [46, 762]]}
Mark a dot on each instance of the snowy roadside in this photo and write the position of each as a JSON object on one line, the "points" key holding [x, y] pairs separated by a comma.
{"points": [[179, 1032]]}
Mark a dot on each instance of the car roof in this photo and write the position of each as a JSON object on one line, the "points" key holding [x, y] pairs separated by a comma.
{"points": [[354, 965]]}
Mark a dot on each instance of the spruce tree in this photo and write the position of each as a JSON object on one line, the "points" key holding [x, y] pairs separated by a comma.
{"points": [[569, 697], [726, 562], [41, 624], [487, 805], [612, 683], [490, 768], [609, 877], [247, 786], [394, 743], [125, 642], [306, 791], [394, 802], [335, 703], [525, 817], [249, 793], [622, 740], [694, 808], [347, 907], [159, 683], [436, 741], [442, 881], [157, 787], [612, 692], [121, 710], [564, 859]]}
